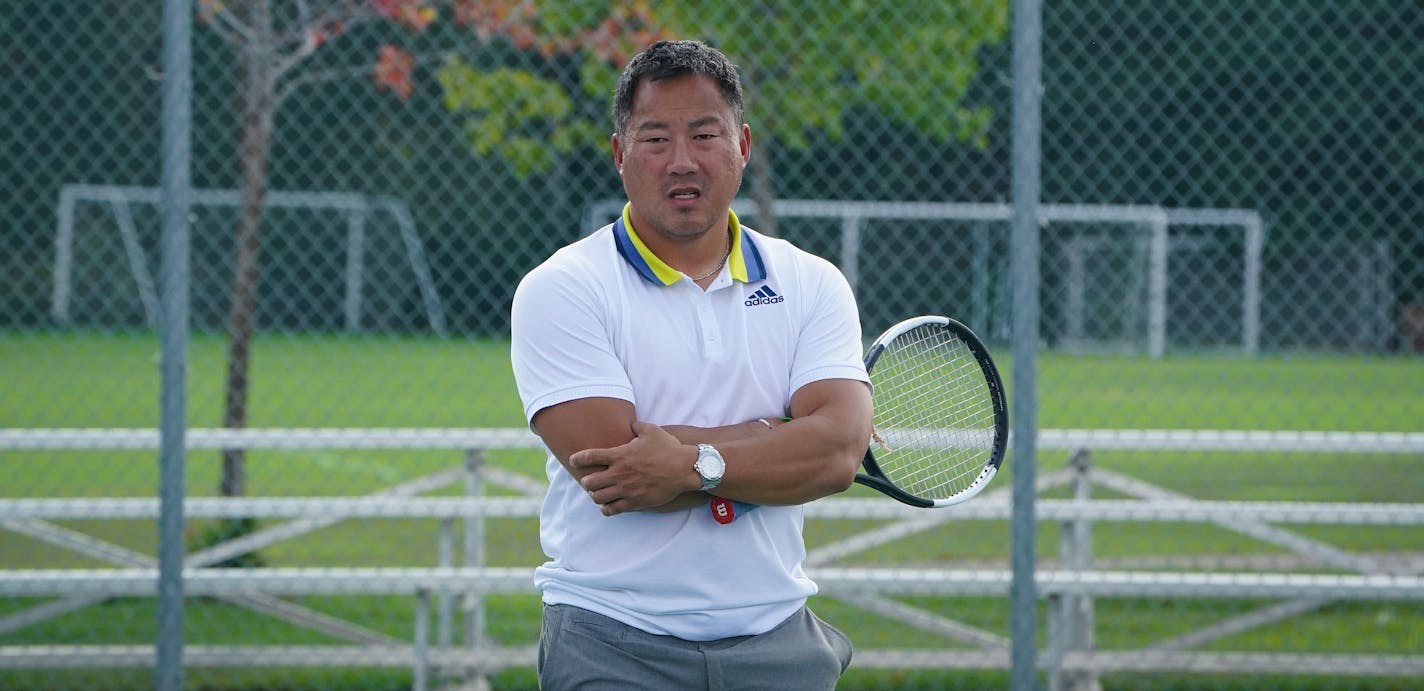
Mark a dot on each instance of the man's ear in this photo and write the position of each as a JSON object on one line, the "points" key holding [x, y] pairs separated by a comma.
{"points": [[617, 153]]}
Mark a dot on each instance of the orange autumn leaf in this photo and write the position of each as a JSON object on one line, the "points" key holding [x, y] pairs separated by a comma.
{"points": [[414, 14], [393, 70]]}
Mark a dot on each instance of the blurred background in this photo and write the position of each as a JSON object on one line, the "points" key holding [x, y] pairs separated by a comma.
{"points": [[1232, 311]]}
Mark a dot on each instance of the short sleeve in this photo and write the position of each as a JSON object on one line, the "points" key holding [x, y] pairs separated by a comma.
{"points": [[561, 343], [829, 346]]}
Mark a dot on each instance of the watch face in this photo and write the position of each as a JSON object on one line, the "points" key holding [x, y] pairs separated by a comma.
{"points": [[710, 464]]}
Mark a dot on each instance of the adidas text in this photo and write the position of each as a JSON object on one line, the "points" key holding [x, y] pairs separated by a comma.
{"points": [[763, 296]]}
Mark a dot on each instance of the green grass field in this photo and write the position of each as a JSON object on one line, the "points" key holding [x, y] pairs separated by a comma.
{"points": [[107, 380], [111, 380]]}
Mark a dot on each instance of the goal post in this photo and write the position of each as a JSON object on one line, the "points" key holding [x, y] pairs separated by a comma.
{"points": [[358, 208], [1253, 235], [1150, 226]]}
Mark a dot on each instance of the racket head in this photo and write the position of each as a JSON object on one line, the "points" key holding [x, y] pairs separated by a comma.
{"points": [[941, 422]]}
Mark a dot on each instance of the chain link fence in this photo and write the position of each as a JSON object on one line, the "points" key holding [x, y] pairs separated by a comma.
{"points": [[1232, 312]]}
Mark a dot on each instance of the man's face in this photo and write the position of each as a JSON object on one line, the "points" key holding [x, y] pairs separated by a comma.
{"points": [[681, 158]]}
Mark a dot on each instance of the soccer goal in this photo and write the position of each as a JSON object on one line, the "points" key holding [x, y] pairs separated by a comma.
{"points": [[336, 230], [1110, 271]]}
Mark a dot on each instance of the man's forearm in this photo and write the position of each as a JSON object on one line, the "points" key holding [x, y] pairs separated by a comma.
{"points": [[715, 435], [703, 435], [684, 501]]}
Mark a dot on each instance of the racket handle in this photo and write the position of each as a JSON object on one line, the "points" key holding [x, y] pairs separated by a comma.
{"points": [[725, 511]]}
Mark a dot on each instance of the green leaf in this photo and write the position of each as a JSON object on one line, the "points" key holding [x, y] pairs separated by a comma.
{"points": [[911, 62]]}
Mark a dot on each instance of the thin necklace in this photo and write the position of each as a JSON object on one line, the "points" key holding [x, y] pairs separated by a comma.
{"points": [[720, 264]]}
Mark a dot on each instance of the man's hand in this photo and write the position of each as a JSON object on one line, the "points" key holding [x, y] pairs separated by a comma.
{"points": [[647, 472]]}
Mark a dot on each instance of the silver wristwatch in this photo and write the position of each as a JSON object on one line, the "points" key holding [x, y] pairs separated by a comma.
{"points": [[709, 466]]}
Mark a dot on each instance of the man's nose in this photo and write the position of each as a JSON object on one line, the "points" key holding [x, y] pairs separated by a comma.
{"points": [[682, 160]]}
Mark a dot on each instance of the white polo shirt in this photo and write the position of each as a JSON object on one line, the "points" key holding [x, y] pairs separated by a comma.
{"points": [[604, 317]]}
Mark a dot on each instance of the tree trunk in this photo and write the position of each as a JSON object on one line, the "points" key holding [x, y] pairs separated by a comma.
{"points": [[763, 188], [763, 191], [258, 103]]}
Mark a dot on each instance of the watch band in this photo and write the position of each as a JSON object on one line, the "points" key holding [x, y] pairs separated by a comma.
{"points": [[711, 477]]}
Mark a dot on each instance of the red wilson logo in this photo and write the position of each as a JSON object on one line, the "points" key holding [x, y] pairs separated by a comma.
{"points": [[722, 511]]}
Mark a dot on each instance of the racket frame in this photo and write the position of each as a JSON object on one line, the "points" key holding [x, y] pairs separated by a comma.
{"points": [[874, 477]]}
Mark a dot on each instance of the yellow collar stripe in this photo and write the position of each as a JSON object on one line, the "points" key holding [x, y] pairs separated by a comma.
{"points": [[735, 261], [744, 261], [661, 272]]}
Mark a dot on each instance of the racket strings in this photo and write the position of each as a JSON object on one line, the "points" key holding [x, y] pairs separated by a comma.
{"points": [[936, 433]]}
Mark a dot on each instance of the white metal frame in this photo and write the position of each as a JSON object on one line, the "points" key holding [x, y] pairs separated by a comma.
{"points": [[1157, 220], [1076, 580], [358, 208]]}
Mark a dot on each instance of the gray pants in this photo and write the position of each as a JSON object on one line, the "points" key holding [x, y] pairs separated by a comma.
{"points": [[579, 649]]}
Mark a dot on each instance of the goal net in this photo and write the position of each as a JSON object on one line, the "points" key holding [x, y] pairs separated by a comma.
{"points": [[331, 261], [1115, 278]]}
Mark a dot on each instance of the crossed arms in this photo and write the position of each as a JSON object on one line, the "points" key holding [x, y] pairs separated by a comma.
{"points": [[628, 465]]}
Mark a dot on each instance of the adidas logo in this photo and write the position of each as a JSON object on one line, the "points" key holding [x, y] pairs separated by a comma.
{"points": [[763, 296]]}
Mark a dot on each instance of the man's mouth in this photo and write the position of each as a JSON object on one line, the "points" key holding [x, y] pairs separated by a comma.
{"points": [[683, 193]]}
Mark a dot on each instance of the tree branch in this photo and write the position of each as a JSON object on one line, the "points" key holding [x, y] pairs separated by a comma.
{"points": [[227, 27], [294, 47], [291, 86]]}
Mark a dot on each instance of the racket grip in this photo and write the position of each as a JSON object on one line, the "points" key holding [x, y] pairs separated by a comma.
{"points": [[725, 511]]}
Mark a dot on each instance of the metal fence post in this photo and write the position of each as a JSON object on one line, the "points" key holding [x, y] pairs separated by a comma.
{"points": [[173, 329], [421, 669], [1076, 541], [445, 604], [1027, 37], [475, 556], [1057, 646]]}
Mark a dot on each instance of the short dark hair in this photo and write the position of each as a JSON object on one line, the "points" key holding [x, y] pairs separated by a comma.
{"points": [[670, 59]]}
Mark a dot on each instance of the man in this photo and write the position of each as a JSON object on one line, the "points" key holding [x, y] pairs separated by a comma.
{"points": [[657, 358]]}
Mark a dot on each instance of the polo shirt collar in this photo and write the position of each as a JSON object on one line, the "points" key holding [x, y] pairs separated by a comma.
{"points": [[744, 261]]}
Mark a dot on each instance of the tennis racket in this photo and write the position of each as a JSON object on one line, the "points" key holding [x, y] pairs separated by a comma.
{"points": [[941, 426]]}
